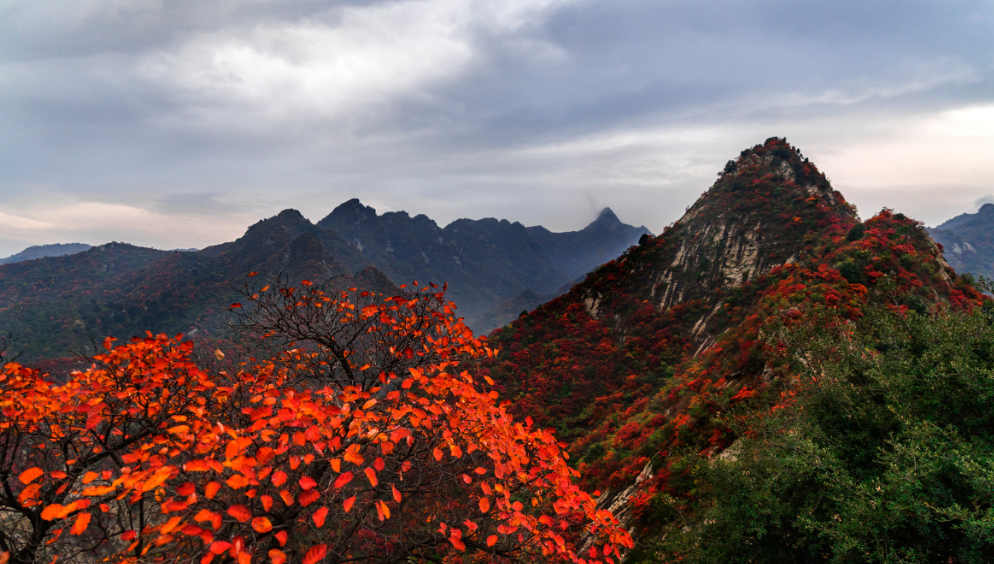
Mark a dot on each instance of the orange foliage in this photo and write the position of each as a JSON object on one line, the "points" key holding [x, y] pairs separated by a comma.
{"points": [[178, 464]]}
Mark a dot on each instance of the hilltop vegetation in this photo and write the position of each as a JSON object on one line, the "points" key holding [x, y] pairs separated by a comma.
{"points": [[640, 366], [880, 452]]}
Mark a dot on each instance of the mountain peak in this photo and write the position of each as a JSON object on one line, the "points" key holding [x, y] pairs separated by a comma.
{"points": [[607, 216], [290, 214], [350, 211], [765, 209]]}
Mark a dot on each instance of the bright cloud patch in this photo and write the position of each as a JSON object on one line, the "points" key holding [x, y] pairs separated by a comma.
{"points": [[348, 64]]}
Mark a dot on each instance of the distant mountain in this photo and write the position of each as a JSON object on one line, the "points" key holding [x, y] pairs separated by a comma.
{"points": [[575, 253], [42, 251], [55, 305], [968, 241], [485, 262]]}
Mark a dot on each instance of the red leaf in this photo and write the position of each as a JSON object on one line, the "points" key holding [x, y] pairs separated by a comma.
{"points": [[210, 490], [261, 525], [80, 525], [319, 516], [240, 512], [315, 554], [308, 497], [218, 547], [342, 480], [307, 483], [30, 474]]}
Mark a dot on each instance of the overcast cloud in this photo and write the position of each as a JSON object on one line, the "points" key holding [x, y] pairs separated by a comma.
{"points": [[179, 123]]}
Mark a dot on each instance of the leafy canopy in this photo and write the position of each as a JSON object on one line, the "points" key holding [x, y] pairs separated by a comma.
{"points": [[352, 435]]}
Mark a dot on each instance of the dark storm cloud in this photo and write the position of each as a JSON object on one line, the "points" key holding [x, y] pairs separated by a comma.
{"points": [[140, 109]]}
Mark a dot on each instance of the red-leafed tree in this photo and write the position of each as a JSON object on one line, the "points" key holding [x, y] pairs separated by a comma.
{"points": [[354, 434]]}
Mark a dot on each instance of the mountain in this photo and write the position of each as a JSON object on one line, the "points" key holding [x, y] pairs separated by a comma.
{"points": [[54, 306], [41, 251], [968, 241], [575, 252], [485, 262], [640, 366]]}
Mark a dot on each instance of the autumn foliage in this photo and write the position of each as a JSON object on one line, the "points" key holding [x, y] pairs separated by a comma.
{"points": [[356, 436]]}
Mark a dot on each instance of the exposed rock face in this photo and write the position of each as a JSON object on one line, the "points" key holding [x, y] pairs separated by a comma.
{"points": [[739, 230], [619, 504]]}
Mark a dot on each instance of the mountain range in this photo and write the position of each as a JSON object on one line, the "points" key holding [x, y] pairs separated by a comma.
{"points": [[493, 269]]}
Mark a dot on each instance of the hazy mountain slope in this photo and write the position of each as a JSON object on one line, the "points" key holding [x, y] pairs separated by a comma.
{"points": [[55, 305], [485, 262], [968, 241], [636, 365], [42, 251], [576, 253], [122, 290]]}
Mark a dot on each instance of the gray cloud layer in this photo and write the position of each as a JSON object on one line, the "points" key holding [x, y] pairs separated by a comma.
{"points": [[138, 119]]}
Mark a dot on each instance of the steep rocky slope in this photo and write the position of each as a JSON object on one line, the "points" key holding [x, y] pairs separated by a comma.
{"points": [[635, 366]]}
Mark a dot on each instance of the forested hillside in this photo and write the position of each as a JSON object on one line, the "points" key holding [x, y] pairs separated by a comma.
{"points": [[651, 364]]}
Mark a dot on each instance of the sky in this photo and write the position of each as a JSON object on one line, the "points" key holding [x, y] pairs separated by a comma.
{"points": [[179, 123]]}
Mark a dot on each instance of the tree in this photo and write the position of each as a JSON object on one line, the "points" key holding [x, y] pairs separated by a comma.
{"points": [[884, 455], [353, 433]]}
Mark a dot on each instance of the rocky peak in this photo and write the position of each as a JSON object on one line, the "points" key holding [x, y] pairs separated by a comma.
{"points": [[767, 208], [351, 213], [291, 215], [607, 216], [760, 214]]}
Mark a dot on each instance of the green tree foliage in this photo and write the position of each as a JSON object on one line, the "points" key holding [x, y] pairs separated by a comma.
{"points": [[884, 454]]}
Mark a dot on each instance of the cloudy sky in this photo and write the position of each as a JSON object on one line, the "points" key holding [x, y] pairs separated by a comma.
{"points": [[178, 123]]}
